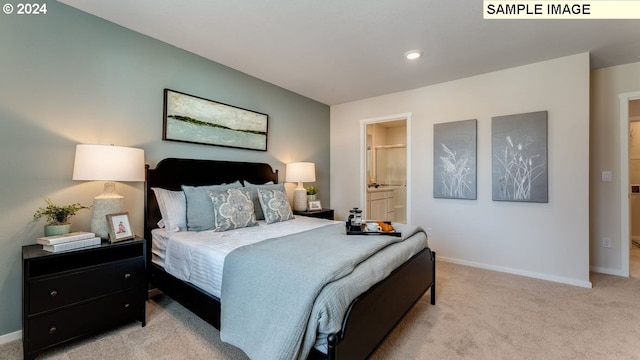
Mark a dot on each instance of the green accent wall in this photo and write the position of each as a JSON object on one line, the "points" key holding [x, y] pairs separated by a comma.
{"points": [[70, 78]]}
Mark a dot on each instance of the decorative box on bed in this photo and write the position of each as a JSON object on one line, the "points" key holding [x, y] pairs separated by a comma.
{"points": [[368, 318]]}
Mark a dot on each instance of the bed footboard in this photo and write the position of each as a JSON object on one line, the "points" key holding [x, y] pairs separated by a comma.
{"points": [[205, 306], [373, 315], [369, 319]]}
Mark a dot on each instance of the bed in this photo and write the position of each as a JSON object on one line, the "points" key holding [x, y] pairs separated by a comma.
{"points": [[368, 318]]}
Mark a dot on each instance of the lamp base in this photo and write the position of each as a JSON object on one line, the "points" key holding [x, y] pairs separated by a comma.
{"points": [[299, 199], [103, 205]]}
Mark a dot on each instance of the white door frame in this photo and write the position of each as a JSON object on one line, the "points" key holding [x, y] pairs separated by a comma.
{"points": [[363, 157], [625, 233]]}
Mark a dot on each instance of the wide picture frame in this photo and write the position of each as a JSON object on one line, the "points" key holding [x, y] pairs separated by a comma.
{"points": [[119, 227], [196, 120]]}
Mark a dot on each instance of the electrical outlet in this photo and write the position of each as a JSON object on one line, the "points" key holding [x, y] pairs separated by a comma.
{"points": [[429, 232], [606, 242]]}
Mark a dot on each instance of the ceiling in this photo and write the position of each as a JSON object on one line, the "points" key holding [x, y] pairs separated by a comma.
{"points": [[336, 51]]}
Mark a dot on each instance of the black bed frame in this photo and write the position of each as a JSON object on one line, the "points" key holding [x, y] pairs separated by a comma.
{"points": [[369, 318]]}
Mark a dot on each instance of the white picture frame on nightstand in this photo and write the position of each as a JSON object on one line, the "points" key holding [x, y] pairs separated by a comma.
{"points": [[314, 205]]}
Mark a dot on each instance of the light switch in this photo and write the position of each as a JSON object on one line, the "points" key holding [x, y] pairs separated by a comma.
{"points": [[606, 175]]}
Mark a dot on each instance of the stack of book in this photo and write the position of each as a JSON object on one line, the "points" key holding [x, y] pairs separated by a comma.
{"points": [[74, 240]]}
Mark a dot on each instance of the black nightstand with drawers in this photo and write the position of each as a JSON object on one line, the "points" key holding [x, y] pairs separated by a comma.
{"points": [[70, 294], [323, 214]]}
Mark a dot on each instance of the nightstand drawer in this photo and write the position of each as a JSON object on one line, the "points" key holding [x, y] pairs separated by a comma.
{"points": [[84, 319], [59, 290], [71, 294]]}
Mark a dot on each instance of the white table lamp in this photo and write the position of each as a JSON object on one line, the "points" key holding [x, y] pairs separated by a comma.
{"points": [[107, 163], [300, 172]]}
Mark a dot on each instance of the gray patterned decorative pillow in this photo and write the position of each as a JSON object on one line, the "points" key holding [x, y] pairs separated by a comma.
{"points": [[255, 198], [275, 206], [200, 214], [233, 209]]}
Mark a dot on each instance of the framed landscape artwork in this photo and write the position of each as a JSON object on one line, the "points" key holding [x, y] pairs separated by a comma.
{"points": [[519, 157], [196, 120], [454, 160]]}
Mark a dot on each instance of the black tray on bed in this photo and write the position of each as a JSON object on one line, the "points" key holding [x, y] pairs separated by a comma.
{"points": [[391, 233], [363, 231]]}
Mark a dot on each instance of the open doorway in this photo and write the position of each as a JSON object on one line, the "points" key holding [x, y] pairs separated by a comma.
{"points": [[385, 169], [634, 187], [629, 160]]}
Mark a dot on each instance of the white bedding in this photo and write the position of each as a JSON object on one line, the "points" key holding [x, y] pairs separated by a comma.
{"points": [[198, 257]]}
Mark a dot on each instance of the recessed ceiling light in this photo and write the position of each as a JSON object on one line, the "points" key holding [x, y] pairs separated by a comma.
{"points": [[413, 54]]}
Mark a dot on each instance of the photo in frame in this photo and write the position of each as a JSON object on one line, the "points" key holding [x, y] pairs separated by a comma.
{"points": [[197, 120], [454, 160], [119, 227], [315, 205], [519, 157]]}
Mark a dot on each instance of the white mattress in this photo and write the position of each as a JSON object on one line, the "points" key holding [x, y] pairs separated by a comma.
{"points": [[198, 257]]}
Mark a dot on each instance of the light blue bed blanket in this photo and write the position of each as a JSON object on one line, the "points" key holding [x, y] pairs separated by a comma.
{"points": [[280, 296]]}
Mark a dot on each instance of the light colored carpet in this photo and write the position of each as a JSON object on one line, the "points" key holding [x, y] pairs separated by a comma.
{"points": [[480, 314]]}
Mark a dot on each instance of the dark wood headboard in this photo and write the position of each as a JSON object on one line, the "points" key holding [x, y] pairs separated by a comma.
{"points": [[172, 173]]}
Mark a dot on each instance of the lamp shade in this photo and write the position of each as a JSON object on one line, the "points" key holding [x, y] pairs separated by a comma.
{"points": [[300, 172], [108, 163]]}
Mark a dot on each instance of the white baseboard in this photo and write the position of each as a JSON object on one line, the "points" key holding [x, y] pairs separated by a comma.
{"points": [[607, 271], [558, 279], [16, 335]]}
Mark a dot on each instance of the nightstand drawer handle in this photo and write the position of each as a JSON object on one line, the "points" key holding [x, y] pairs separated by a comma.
{"points": [[127, 275], [53, 293], [52, 330], [126, 306]]}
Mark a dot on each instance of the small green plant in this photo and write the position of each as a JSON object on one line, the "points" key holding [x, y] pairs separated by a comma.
{"points": [[312, 190], [56, 214]]}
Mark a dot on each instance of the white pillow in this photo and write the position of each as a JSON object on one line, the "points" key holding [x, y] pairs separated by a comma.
{"points": [[173, 209]]}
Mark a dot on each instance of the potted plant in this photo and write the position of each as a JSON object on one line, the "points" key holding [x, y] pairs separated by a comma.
{"points": [[312, 192], [57, 217]]}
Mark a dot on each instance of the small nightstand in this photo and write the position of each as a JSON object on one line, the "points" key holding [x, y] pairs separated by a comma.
{"points": [[70, 294], [323, 214]]}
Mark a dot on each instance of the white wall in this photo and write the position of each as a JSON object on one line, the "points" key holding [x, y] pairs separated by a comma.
{"points": [[549, 240]]}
